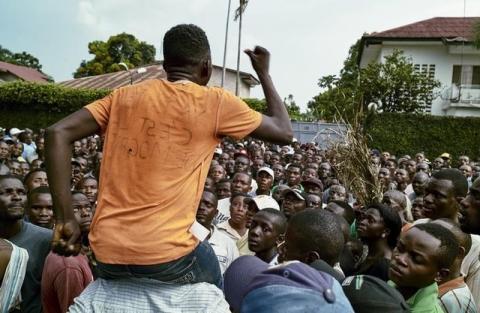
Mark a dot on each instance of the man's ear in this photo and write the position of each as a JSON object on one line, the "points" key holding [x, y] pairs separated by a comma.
{"points": [[206, 70], [442, 274], [312, 256], [280, 239], [386, 232], [461, 253]]}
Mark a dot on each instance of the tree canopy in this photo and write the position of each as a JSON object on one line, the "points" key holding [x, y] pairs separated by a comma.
{"points": [[476, 35], [121, 48], [293, 109], [23, 58], [393, 85]]}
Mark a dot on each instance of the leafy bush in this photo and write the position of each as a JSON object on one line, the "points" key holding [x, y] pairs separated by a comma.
{"points": [[26, 104], [32, 105], [411, 133]]}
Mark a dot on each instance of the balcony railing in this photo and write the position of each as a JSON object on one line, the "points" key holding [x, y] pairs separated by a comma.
{"points": [[469, 94]]}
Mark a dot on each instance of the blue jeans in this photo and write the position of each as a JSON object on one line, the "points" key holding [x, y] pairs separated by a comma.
{"points": [[201, 265]]}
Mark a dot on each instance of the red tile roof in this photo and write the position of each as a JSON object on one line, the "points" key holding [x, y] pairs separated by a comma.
{"points": [[24, 73], [434, 28], [122, 78]]}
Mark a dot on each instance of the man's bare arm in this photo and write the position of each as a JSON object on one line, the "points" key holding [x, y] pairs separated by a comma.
{"points": [[275, 126], [58, 152]]}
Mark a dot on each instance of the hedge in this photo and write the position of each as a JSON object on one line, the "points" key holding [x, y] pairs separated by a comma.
{"points": [[31, 105], [26, 104], [402, 134]]}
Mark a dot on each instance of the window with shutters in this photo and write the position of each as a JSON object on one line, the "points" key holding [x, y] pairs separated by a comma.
{"points": [[429, 70]]}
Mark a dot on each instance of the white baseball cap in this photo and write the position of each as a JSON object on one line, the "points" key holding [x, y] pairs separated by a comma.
{"points": [[266, 169], [15, 131], [264, 202]]}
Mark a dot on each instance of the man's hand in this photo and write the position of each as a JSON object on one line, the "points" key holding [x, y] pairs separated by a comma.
{"points": [[66, 238], [260, 58]]}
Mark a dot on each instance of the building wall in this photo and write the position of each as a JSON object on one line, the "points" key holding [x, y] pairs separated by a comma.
{"points": [[7, 77], [230, 78], [444, 57]]}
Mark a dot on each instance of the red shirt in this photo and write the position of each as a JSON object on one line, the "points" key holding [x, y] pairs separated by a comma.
{"points": [[63, 279]]}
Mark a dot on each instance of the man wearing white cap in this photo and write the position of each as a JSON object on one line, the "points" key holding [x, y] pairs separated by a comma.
{"points": [[265, 177], [260, 202]]}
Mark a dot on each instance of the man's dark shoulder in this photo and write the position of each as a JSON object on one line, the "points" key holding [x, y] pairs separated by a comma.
{"points": [[41, 232], [32, 234]]}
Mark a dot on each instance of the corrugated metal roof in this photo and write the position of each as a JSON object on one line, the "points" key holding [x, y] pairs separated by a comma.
{"points": [[434, 28], [24, 73], [136, 75]]}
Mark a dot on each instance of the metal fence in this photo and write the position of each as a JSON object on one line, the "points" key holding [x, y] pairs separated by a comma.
{"points": [[322, 133]]}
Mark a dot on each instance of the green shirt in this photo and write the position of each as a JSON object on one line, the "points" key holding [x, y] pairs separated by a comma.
{"points": [[425, 300]]}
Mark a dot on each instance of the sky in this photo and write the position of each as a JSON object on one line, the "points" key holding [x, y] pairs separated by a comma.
{"points": [[307, 39]]}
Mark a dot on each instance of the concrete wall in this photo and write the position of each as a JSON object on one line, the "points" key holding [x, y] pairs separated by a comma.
{"points": [[230, 79], [323, 133]]}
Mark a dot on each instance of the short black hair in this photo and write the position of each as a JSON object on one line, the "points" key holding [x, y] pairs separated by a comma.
{"points": [[459, 181], [75, 192], [243, 173], [29, 174], [223, 180], [211, 192], [185, 45], [280, 219], [317, 230], [40, 189], [463, 239], [449, 247], [239, 194], [392, 221], [349, 213], [11, 176]]}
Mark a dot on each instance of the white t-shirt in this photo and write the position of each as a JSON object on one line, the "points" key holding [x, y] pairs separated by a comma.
{"points": [[224, 247]]}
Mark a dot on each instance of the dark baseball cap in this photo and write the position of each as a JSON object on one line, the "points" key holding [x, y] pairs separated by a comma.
{"points": [[369, 294], [297, 192], [252, 286], [313, 181]]}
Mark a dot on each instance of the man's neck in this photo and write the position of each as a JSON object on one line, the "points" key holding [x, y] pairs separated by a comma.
{"points": [[179, 75], [379, 248], [262, 192], [407, 292], [402, 186], [9, 229], [240, 228], [267, 255]]}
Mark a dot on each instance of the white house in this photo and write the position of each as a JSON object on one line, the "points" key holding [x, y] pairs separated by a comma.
{"points": [[442, 48], [136, 75], [11, 72]]}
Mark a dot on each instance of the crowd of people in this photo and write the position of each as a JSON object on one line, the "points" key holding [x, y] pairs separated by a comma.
{"points": [[267, 206], [169, 209]]}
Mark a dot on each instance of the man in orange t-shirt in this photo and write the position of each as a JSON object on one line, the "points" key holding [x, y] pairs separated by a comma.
{"points": [[160, 136]]}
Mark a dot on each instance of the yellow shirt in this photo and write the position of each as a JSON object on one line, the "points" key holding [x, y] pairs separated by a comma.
{"points": [[159, 141]]}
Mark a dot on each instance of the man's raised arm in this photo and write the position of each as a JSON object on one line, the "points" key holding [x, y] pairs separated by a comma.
{"points": [[275, 126], [58, 152]]}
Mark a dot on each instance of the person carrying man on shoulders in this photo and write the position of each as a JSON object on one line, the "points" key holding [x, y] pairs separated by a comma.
{"points": [[160, 137]]}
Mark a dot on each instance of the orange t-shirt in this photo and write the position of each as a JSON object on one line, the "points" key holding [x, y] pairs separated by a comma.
{"points": [[159, 140]]}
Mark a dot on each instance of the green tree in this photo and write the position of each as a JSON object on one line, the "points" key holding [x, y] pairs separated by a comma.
{"points": [[393, 85], [121, 48], [293, 109], [476, 35], [22, 58]]}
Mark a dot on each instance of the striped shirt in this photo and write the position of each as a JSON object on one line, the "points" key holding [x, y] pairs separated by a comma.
{"points": [[142, 295], [455, 297]]}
